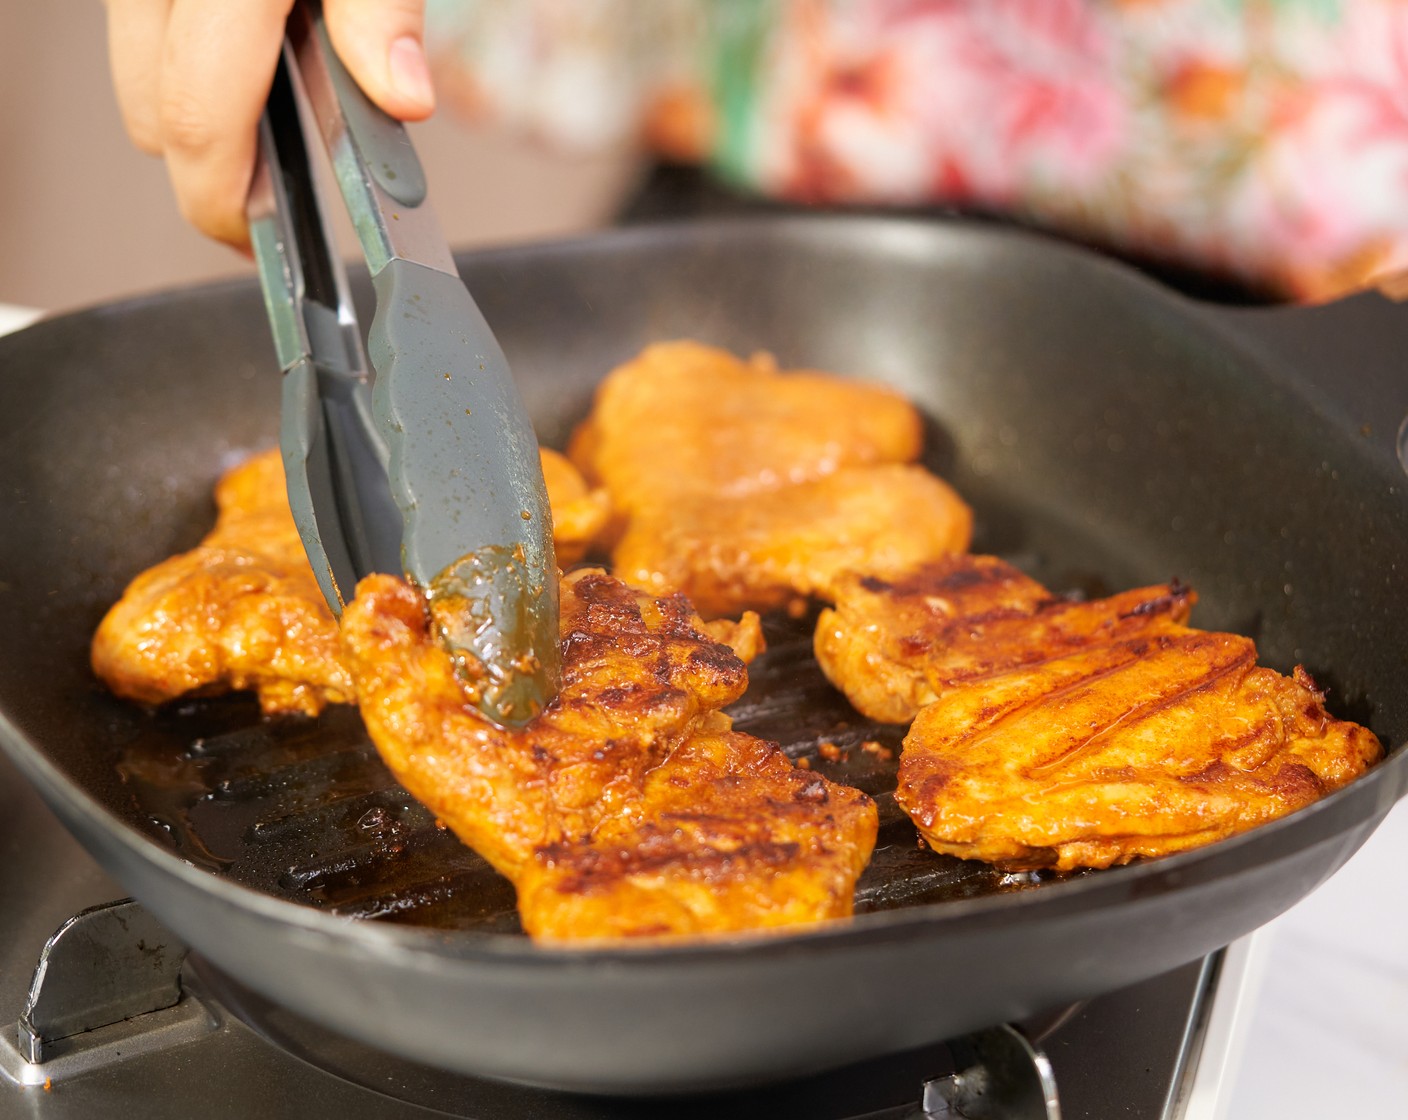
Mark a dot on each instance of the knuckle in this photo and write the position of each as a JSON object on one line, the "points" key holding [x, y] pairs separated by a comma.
{"points": [[186, 124], [140, 119]]}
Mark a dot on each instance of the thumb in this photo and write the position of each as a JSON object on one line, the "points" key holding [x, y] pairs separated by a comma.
{"points": [[381, 42]]}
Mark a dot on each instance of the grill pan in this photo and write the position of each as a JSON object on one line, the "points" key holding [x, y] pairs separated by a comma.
{"points": [[1108, 433]]}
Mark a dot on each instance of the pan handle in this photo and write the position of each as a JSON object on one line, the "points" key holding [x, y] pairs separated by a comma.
{"points": [[1347, 357]]}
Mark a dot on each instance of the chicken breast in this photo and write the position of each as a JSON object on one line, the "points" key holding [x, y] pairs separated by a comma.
{"points": [[750, 488], [1059, 734], [728, 836], [1136, 749], [629, 807], [683, 417], [580, 513], [242, 610], [777, 548], [893, 646]]}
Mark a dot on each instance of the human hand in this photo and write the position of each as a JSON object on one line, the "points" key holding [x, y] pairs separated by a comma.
{"points": [[192, 77]]}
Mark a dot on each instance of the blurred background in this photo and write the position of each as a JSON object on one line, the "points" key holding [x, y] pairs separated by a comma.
{"points": [[86, 218]]}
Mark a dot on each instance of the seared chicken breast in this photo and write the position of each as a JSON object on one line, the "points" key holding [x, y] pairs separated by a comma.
{"points": [[895, 645], [777, 548], [242, 610], [750, 488], [628, 807], [1059, 734], [682, 417]]}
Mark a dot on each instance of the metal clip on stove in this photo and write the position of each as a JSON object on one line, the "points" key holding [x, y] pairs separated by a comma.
{"points": [[999, 1074], [107, 986]]}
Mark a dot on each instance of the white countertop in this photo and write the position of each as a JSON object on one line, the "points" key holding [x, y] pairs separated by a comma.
{"points": [[1328, 1031], [1328, 1035]]}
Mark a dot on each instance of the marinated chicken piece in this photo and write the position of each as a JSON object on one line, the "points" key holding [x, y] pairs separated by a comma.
{"points": [[893, 646], [579, 513], [687, 418], [747, 487], [628, 807], [1136, 748], [240, 610], [775, 548], [1053, 733], [243, 610], [729, 836]]}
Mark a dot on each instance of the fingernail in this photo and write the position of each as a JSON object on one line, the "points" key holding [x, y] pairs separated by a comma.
{"points": [[410, 73]]}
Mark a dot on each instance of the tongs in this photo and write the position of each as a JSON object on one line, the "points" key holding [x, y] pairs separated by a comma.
{"points": [[424, 461]]}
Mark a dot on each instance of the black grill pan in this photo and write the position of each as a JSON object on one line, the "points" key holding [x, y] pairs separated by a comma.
{"points": [[1108, 433]]}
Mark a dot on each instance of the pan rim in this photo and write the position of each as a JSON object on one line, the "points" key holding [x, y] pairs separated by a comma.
{"points": [[744, 227]]}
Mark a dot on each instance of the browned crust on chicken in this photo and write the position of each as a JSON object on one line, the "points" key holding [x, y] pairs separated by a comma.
{"points": [[242, 610], [747, 487], [775, 549], [1103, 758], [729, 836], [893, 646], [1060, 734], [627, 807]]}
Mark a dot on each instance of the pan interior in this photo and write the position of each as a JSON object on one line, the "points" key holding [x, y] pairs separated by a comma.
{"points": [[1106, 435]]}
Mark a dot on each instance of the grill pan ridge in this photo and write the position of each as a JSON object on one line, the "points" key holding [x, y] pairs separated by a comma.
{"points": [[303, 809]]}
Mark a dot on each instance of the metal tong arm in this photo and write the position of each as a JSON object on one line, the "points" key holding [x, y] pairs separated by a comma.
{"points": [[380, 177], [334, 457], [445, 428]]}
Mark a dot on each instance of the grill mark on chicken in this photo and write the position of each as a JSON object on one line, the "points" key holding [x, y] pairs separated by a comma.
{"points": [[1065, 734], [1126, 721], [978, 629], [628, 807]]}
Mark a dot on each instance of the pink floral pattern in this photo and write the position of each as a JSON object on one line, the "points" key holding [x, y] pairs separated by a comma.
{"points": [[1263, 139]]}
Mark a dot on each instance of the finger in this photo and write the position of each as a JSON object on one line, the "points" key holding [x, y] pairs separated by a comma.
{"points": [[217, 66], [381, 42], [136, 33]]}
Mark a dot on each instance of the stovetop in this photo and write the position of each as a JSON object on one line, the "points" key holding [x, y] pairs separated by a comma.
{"points": [[1129, 1054]]}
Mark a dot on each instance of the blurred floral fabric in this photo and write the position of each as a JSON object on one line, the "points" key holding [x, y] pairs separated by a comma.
{"points": [[1265, 140]]}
